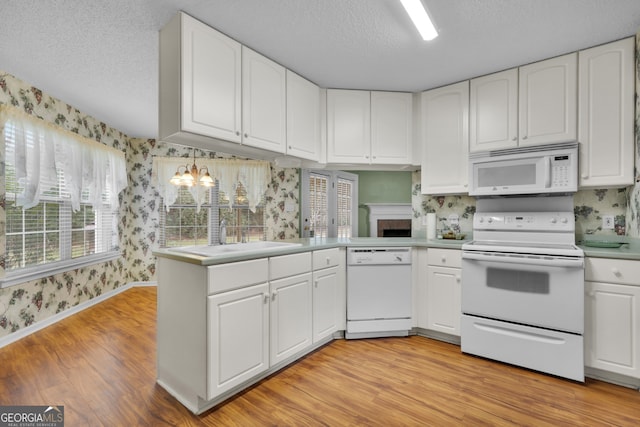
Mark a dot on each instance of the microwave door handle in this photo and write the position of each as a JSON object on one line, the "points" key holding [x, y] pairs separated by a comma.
{"points": [[547, 172]]}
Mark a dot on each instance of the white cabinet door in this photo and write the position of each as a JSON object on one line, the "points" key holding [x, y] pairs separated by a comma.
{"points": [[211, 81], [612, 333], [446, 139], [325, 302], [444, 299], [348, 126], [391, 128], [303, 118], [291, 313], [606, 114], [493, 117], [548, 103], [238, 344], [263, 102]]}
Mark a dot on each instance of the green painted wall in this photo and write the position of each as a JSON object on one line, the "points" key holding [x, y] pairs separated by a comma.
{"points": [[380, 187]]}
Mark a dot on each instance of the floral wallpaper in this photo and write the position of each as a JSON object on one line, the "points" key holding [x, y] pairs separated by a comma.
{"points": [[138, 228]]}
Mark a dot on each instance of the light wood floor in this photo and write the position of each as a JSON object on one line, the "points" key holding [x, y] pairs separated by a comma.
{"points": [[100, 364]]}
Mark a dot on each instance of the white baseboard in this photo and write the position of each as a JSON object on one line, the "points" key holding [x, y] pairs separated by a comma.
{"points": [[28, 330]]}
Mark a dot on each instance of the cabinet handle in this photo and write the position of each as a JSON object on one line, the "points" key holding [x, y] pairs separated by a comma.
{"points": [[524, 137], [328, 260], [273, 295], [515, 138], [615, 272], [266, 298], [316, 283]]}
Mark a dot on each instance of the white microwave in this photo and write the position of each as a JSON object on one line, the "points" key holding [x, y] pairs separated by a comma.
{"points": [[529, 170]]}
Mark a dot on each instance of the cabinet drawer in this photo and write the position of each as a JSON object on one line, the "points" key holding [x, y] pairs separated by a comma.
{"points": [[444, 257], [608, 270], [326, 258], [289, 265], [226, 277]]}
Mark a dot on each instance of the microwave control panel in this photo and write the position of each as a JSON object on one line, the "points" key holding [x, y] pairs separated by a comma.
{"points": [[561, 167]]}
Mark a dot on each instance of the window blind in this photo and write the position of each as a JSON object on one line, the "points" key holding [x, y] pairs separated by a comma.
{"points": [[61, 194]]}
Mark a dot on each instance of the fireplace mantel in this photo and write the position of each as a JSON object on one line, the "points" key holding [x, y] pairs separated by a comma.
{"points": [[378, 211]]}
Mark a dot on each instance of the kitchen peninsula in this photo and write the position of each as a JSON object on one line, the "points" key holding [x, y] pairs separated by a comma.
{"points": [[227, 321]]}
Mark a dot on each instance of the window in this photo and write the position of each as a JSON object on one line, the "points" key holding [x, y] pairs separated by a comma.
{"points": [[59, 213], [185, 225], [329, 206]]}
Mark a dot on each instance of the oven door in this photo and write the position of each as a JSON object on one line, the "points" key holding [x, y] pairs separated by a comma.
{"points": [[536, 290]]}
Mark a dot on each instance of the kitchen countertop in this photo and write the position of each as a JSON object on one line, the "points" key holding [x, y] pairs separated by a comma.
{"points": [[630, 250], [306, 245]]}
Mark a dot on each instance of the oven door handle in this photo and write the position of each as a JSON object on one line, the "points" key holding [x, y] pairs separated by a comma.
{"points": [[539, 261]]}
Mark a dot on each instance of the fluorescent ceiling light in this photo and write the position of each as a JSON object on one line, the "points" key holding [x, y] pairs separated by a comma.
{"points": [[420, 18]]}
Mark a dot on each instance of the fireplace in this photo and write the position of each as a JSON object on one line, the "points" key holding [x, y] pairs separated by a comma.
{"points": [[389, 219]]}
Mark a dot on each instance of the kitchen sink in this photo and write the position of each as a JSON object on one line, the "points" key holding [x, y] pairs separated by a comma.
{"points": [[233, 248]]}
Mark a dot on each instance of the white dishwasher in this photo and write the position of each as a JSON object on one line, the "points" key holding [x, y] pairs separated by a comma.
{"points": [[378, 292]]}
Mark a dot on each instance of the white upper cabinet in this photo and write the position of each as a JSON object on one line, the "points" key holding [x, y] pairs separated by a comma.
{"points": [[493, 120], [348, 126], [548, 103], [391, 127], [373, 128], [303, 118], [446, 139], [531, 105], [263, 102], [200, 82], [606, 114]]}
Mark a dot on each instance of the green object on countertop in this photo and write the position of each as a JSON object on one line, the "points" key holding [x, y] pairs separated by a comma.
{"points": [[602, 244]]}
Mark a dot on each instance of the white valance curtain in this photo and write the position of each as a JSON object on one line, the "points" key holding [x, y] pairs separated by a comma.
{"points": [[254, 175], [41, 149]]}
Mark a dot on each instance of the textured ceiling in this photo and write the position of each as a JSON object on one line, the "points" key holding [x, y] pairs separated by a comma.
{"points": [[101, 56]]}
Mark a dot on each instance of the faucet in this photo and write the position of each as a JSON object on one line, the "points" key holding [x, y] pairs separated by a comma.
{"points": [[222, 235]]}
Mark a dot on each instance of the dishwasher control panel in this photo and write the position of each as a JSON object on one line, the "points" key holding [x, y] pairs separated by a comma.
{"points": [[378, 256]]}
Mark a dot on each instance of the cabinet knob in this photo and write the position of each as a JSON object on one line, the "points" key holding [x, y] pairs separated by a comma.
{"points": [[444, 259], [615, 272], [316, 283], [246, 135], [584, 176], [237, 133], [273, 295], [458, 279], [289, 147], [328, 260], [524, 137], [266, 298], [515, 138]]}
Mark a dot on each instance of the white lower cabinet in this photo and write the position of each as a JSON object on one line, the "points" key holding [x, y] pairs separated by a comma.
{"points": [[291, 308], [238, 337], [328, 286], [612, 314], [444, 291]]}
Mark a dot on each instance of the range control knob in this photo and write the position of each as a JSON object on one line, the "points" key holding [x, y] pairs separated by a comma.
{"points": [[553, 220], [564, 220], [490, 220], [481, 219]]}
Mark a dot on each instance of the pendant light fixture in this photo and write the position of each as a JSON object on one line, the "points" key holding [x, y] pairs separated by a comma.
{"points": [[192, 175], [418, 14]]}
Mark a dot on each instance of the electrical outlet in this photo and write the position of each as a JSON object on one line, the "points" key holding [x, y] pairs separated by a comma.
{"points": [[607, 222]]}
